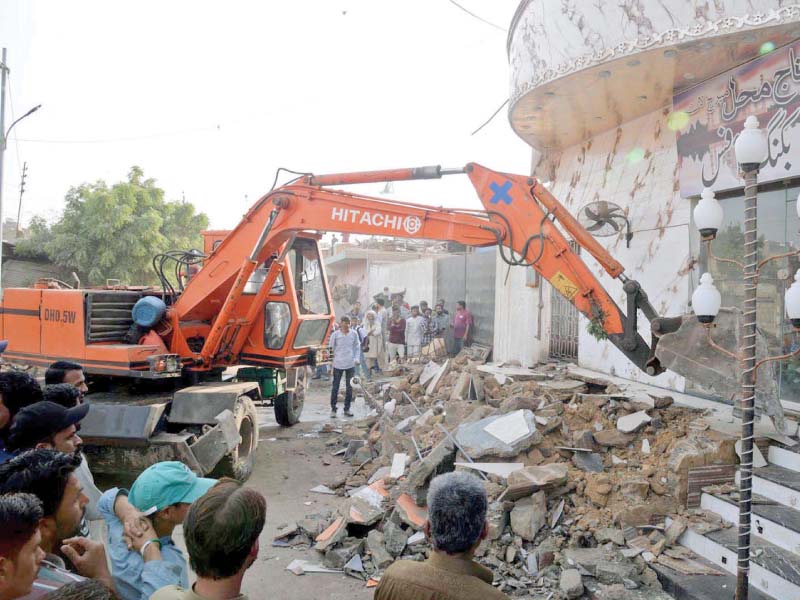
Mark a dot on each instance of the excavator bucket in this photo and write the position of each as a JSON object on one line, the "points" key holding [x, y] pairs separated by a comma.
{"points": [[688, 352]]}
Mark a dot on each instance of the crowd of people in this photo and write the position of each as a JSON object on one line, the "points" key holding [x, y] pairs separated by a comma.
{"points": [[49, 503], [369, 341]]}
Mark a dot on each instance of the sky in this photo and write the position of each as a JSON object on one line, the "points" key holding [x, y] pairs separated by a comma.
{"points": [[210, 98]]}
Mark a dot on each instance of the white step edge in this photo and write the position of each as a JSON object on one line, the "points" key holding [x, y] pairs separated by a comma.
{"points": [[773, 532], [774, 491], [784, 458], [761, 579]]}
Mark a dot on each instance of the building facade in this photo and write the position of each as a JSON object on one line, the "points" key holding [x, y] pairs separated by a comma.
{"points": [[638, 103]]}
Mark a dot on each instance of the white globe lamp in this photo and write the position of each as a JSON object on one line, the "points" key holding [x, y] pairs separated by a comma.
{"points": [[706, 300], [792, 301], [708, 215], [751, 145]]}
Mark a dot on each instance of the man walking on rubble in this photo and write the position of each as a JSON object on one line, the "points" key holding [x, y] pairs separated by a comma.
{"points": [[346, 347], [456, 526]]}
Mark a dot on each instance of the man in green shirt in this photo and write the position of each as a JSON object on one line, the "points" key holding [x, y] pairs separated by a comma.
{"points": [[221, 531]]}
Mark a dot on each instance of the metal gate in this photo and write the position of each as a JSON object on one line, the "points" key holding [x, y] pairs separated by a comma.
{"points": [[564, 323]]}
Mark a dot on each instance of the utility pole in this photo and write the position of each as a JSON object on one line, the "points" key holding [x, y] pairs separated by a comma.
{"points": [[4, 71], [21, 191]]}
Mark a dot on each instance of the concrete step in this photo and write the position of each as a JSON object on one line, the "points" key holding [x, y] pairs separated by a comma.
{"points": [[775, 523], [777, 483], [784, 457], [703, 587], [773, 570]]}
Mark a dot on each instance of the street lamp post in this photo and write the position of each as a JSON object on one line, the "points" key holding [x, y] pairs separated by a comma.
{"points": [[4, 142], [751, 150]]}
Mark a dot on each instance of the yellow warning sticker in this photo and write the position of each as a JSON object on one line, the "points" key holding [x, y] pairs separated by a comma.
{"points": [[564, 285]]}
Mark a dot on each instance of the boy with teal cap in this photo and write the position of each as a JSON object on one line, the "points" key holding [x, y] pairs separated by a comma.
{"points": [[140, 523]]}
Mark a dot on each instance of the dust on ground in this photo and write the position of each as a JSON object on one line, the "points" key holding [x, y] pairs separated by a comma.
{"points": [[289, 463]]}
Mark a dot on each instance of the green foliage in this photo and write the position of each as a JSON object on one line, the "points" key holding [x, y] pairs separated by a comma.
{"points": [[114, 232], [596, 328]]}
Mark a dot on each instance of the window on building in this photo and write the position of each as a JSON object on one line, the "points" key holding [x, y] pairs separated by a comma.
{"points": [[777, 234]]}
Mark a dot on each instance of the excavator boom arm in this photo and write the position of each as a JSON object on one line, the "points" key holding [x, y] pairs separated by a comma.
{"points": [[519, 216]]}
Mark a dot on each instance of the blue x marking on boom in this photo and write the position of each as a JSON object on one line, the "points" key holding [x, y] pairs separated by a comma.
{"points": [[500, 192]]}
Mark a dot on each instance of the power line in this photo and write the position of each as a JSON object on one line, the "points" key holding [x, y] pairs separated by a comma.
{"points": [[472, 14], [489, 120]]}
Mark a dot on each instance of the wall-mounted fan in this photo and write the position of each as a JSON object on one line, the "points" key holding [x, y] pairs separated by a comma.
{"points": [[603, 219]]}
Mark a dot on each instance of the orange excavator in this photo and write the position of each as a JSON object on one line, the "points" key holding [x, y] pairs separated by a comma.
{"points": [[261, 299]]}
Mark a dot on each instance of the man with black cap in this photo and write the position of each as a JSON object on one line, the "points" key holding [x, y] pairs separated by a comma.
{"points": [[50, 425], [47, 425]]}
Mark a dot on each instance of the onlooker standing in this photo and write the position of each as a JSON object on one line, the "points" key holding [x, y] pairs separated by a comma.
{"points": [[456, 526], [20, 554], [397, 337], [443, 305], [362, 335], [355, 311], [440, 321], [17, 390], [430, 328], [423, 306], [163, 494], [374, 352], [65, 371], [462, 326], [70, 396], [384, 315], [50, 425], [221, 531], [50, 476], [415, 330], [346, 348]]}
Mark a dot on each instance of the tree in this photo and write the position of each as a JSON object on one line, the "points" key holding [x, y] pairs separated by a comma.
{"points": [[114, 232]]}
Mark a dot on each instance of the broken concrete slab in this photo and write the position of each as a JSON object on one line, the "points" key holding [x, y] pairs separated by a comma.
{"points": [[368, 504], [506, 372], [429, 372], [333, 534], [588, 461], [610, 534], [500, 469], [633, 422], [377, 548], [586, 558], [571, 584], [563, 389], [478, 442], [610, 573], [322, 489], [612, 438], [395, 538], [412, 515], [440, 460], [460, 389], [399, 461], [416, 538], [436, 380], [338, 556], [541, 476], [529, 515], [301, 567]]}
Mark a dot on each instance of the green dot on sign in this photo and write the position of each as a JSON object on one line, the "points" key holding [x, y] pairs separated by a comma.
{"points": [[635, 155], [766, 48], [677, 120]]}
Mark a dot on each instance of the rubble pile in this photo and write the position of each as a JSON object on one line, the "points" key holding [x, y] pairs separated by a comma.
{"points": [[587, 484]]}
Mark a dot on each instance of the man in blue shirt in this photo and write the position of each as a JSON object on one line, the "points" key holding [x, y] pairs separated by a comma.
{"points": [[346, 347], [163, 494]]}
